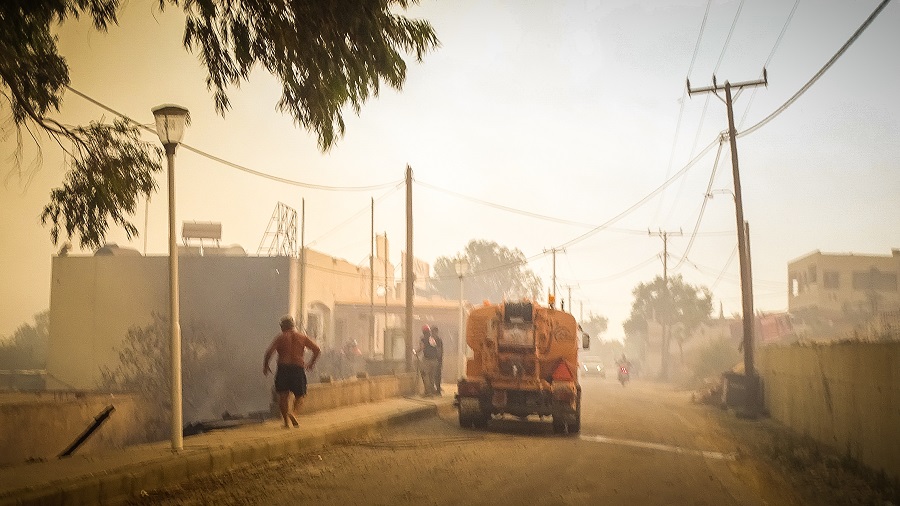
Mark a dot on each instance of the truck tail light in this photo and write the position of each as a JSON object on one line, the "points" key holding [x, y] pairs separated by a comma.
{"points": [[562, 372]]}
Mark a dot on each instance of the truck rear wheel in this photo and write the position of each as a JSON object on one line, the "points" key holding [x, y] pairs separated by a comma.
{"points": [[575, 426], [471, 414]]}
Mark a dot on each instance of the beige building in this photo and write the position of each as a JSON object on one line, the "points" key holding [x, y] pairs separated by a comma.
{"points": [[844, 284], [235, 301]]}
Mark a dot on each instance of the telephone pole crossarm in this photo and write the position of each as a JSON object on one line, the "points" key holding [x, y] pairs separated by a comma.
{"points": [[716, 87]]}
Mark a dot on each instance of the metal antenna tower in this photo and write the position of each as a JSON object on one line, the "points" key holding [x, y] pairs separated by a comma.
{"points": [[280, 238]]}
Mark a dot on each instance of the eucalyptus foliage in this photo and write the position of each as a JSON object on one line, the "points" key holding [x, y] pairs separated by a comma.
{"points": [[495, 273], [327, 55], [668, 303]]}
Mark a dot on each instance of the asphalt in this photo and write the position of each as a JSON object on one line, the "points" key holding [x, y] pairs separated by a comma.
{"points": [[112, 477]]}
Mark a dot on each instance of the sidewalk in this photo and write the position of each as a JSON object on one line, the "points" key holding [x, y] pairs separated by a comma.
{"points": [[112, 477]]}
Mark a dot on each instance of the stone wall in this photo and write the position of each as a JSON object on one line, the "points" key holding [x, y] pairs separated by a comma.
{"points": [[844, 395]]}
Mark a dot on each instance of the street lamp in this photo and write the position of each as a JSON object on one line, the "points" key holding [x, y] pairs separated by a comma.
{"points": [[170, 123], [462, 266]]}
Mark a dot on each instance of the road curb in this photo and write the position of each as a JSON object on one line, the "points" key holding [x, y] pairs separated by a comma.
{"points": [[118, 485]]}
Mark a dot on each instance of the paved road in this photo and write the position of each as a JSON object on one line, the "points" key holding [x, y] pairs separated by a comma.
{"points": [[641, 444]]}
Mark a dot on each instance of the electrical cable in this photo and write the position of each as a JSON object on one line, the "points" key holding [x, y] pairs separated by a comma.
{"points": [[232, 164], [682, 100], [769, 60], [620, 274], [539, 216], [504, 208], [730, 33], [640, 202], [699, 37], [706, 197], [818, 74], [737, 15], [355, 215]]}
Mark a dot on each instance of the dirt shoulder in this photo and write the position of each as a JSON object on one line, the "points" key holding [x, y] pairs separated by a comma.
{"points": [[814, 473]]}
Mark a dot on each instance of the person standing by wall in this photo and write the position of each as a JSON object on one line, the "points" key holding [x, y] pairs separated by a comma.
{"points": [[440, 361], [428, 350], [290, 377]]}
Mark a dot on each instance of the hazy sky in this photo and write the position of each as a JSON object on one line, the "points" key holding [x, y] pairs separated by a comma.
{"points": [[566, 109]]}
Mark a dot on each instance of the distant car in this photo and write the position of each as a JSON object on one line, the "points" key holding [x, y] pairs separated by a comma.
{"points": [[593, 368]]}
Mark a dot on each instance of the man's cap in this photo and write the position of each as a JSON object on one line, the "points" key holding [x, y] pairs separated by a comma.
{"points": [[426, 328]]}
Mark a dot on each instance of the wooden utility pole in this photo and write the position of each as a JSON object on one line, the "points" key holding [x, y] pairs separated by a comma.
{"points": [[372, 282], [386, 346], [553, 289], [664, 353], [408, 275], [302, 315], [742, 230]]}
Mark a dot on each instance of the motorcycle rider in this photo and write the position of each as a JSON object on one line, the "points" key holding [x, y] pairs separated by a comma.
{"points": [[624, 369]]}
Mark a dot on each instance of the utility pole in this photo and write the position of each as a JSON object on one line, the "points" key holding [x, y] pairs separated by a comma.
{"points": [[385, 346], [553, 288], [302, 315], [742, 231], [372, 282], [408, 274], [569, 300], [664, 354]]}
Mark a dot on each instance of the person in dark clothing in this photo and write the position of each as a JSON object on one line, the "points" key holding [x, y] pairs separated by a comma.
{"points": [[440, 364], [429, 352]]}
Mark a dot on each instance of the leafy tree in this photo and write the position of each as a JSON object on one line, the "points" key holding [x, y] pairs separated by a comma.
{"points": [[673, 303], [595, 325], [27, 347], [495, 273], [326, 54]]}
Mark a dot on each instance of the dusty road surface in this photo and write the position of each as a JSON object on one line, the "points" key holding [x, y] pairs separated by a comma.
{"points": [[643, 444]]}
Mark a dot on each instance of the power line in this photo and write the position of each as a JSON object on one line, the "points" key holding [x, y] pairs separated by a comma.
{"points": [[642, 201], [356, 214], [699, 37], [821, 71], [537, 215], [682, 100], [730, 33], [621, 274], [706, 196], [235, 165], [769, 59], [504, 208]]}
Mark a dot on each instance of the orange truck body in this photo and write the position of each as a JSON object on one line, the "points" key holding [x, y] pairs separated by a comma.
{"points": [[525, 362]]}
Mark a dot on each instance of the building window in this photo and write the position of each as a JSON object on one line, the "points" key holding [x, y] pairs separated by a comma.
{"points": [[831, 280], [874, 279], [794, 285], [811, 276]]}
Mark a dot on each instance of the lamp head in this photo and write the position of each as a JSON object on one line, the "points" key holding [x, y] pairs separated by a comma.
{"points": [[170, 123]]}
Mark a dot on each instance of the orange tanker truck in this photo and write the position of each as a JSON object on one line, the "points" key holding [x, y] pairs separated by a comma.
{"points": [[525, 363]]}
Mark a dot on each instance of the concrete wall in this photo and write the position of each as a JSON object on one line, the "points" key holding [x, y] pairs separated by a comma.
{"points": [[844, 395], [234, 301], [322, 396], [41, 426]]}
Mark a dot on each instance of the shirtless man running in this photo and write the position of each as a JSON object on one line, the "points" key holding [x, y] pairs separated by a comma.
{"points": [[290, 376]]}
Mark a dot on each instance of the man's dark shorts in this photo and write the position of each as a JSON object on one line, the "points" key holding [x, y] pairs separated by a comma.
{"points": [[290, 378]]}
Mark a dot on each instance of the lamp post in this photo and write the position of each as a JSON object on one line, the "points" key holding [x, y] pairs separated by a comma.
{"points": [[170, 123], [462, 266]]}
